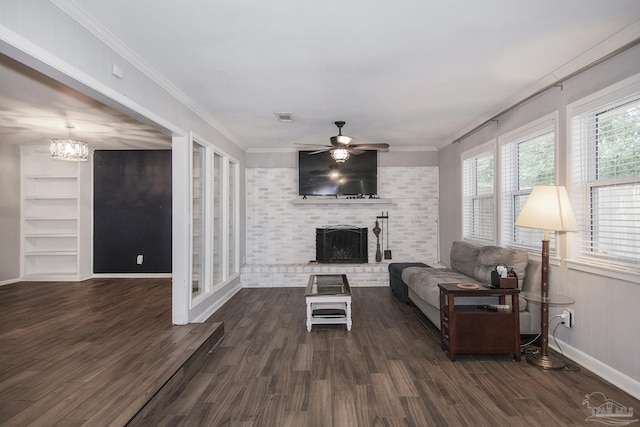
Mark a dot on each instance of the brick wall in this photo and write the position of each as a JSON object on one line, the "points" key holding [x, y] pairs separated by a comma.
{"points": [[280, 233]]}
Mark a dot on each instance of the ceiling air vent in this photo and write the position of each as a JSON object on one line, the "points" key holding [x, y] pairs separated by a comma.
{"points": [[285, 117]]}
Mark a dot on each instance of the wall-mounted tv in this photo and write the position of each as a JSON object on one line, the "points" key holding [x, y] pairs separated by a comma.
{"points": [[320, 175]]}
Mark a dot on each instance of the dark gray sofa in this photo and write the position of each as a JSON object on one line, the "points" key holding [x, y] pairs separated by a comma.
{"points": [[469, 263]]}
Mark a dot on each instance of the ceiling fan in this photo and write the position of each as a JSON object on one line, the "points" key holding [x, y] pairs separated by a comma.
{"points": [[341, 147]]}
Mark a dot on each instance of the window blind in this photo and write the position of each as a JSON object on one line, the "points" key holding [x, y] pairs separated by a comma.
{"points": [[478, 196], [606, 182], [527, 159]]}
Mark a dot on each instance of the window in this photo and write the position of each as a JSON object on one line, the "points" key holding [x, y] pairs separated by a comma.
{"points": [[198, 219], [218, 236], [606, 180], [527, 159], [215, 220], [233, 219], [478, 194]]}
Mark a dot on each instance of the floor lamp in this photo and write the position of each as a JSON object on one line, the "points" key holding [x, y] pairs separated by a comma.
{"points": [[547, 208]]}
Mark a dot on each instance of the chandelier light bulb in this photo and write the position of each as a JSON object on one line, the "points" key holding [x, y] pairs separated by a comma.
{"points": [[69, 149]]}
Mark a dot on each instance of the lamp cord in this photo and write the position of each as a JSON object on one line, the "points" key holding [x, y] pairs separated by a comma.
{"points": [[567, 365], [527, 348], [530, 342]]}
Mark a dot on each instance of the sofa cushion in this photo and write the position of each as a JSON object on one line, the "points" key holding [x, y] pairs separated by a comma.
{"points": [[424, 281], [463, 257], [490, 256]]}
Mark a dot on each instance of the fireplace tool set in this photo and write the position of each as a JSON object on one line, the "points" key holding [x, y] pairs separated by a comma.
{"points": [[384, 219]]}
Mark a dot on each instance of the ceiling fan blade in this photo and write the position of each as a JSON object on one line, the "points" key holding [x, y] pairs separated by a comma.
{"points": [[379, 147], [313, 145], [319, 151], [343, 142]]}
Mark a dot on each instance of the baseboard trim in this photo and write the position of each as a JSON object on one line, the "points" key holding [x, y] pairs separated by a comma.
{"points": [[8, 282], [615, 377], [132, 276], [219, 303]]}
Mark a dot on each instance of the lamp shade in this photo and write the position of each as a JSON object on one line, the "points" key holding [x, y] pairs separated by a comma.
{"points": [[548, 208]]}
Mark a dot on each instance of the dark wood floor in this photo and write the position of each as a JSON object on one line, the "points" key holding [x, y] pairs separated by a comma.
{"points": [[389, 371], [85, 353], [88, 353]]}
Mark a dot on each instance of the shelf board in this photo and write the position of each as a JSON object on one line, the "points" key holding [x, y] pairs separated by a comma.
{"points": [[49, 235], [39, 218], [52, 253], [51, 198], [51, 177], [314, 201]]}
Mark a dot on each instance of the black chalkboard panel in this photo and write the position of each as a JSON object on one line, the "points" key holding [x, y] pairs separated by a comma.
{"points": [[132, 211]]}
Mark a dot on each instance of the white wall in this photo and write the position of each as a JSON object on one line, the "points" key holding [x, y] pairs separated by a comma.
{"points": [[9, 213], [605, 338]]}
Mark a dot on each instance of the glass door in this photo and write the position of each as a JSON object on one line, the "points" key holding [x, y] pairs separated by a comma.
{"points": [[198, 216]]}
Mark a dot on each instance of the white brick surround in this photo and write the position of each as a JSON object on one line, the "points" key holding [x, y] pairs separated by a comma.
{"points": [[296, 275], [281, 235]]}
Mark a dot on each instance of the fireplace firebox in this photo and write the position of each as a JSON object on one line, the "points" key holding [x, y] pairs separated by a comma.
{"points": [[342, 244]]}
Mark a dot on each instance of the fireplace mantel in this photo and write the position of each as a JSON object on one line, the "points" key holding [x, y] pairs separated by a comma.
{"points": [[315, 201]]}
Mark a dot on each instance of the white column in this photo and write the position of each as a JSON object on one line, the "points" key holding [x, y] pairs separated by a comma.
{"points": [[181, 229]]}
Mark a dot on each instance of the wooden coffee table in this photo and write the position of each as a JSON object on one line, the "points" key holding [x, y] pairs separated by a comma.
{"points": [[328, 298]]}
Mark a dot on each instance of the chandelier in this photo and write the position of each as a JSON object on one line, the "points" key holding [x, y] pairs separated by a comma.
{"points": [[69, 149], [340, 155]]}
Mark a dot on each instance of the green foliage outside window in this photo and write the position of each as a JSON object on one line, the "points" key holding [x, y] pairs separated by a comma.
{"points": [[484, 174], [536, 162], [618, 143]]}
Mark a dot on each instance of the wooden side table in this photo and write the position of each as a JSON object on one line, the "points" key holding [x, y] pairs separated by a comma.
{"points": [[470, 329]]}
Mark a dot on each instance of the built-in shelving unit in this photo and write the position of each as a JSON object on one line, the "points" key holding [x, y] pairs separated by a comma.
{"points": [[55, 215], [316, 201]]}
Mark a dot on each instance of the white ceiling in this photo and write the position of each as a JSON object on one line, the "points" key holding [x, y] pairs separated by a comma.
{"points": [[411, 73]]}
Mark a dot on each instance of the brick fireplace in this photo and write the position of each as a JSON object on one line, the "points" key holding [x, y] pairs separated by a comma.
{"points": [[280, 234]]}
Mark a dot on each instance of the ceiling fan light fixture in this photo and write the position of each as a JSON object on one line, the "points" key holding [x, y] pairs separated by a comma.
{"points": [[341, 139], [340, 155], [69, 149]]}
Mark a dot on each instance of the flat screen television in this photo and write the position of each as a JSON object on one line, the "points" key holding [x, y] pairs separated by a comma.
{"points": [[320, 175]]}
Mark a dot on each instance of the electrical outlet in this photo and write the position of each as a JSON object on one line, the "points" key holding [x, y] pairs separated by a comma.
{"points": [[139, 259], [572, 318], [567, 316]]}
